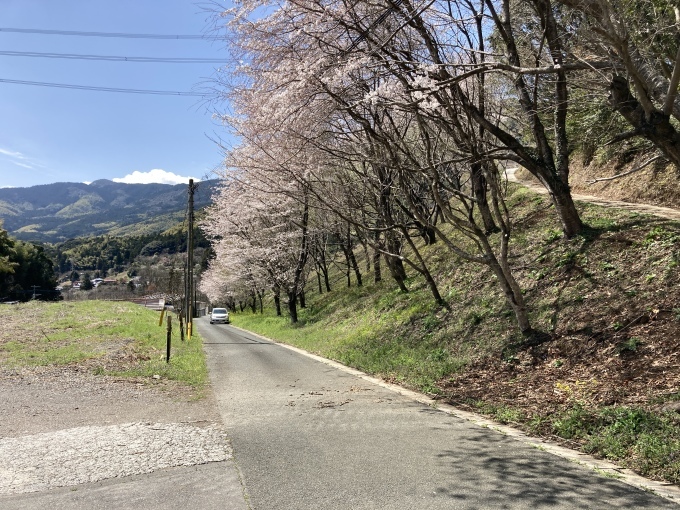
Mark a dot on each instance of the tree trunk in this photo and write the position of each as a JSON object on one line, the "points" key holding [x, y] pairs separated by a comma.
{"points": [[345, 251], [655, 126], [377, 269], [377, 275], [394, 263], [277, 300], [396, 267], [566, 211], [513, 296], [326, 279], [302, 260], [292, 307], [421, 267], [479, 192], [355, 266]]}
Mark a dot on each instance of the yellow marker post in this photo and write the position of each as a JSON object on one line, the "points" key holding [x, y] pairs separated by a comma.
{"points": [[189, 322], [160, 321]]}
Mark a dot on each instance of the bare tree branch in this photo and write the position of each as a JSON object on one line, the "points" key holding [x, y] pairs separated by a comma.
{"points": [[618, 176], [675, 77]]}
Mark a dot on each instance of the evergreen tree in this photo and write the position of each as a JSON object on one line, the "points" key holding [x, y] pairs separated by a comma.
{"points": [[86, 283]]}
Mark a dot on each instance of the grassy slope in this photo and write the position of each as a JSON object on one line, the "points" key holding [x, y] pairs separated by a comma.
{"points": [[107, 338], [610, 300]]}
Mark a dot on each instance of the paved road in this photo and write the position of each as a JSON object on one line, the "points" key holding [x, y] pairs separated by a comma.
{"points": [[306, 435]]}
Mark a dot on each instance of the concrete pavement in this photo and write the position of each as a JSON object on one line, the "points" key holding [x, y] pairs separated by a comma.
{"points": [[213, 486], [309, 436]]}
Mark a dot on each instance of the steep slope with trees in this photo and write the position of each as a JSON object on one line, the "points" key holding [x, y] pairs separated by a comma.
{"points": [[396, 119], [25, 271], [386, 126]]}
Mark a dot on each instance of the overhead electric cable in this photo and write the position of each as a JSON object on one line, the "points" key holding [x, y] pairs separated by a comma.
{"points": [[100, 34], [103, 89], [114, 58]]}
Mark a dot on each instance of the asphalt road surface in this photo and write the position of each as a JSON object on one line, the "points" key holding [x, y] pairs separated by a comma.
{"points": [[306, 435]]}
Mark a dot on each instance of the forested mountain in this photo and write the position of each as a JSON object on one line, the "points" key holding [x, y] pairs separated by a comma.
{"points": [[60, 211], [117, 253]]}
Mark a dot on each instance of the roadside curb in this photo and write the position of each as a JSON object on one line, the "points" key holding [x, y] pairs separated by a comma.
{"points": [[663, 489]]}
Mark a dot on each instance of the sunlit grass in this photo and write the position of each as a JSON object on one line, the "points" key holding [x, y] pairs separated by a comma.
{"points": [[114, 338]]}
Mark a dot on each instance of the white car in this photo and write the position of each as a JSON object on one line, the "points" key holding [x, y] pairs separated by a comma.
{"points": [[219, 315]]}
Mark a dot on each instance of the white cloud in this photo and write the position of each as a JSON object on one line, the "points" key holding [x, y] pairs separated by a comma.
{"points": [[156, 175], [16, 158], [12, 154]]}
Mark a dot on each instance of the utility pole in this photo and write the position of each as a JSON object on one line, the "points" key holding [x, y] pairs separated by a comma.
{"points": [[190, 260]]}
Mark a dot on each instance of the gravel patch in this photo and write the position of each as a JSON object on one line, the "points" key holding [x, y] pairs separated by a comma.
{"points": [[90, 454]]}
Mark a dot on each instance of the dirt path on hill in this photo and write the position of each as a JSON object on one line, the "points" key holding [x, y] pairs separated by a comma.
{"points": [[662, 212]]}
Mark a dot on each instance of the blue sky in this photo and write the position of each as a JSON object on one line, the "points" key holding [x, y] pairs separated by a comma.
{"points": [[62, 135]]}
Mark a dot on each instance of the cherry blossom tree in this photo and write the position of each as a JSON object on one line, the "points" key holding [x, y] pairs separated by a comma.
{"points": [[260, 238], [437, 51], [383, 117]]}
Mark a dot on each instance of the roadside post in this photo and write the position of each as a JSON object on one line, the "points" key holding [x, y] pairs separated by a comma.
{"points": [[181, 327], [160, 321], [190, 322], [169, 339]]}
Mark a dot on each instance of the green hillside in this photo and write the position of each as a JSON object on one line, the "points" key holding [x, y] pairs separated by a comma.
{"points": [[54, 213], [88, 204]]}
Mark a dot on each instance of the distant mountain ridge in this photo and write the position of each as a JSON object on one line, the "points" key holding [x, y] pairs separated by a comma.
{"points": [[65, 210]]}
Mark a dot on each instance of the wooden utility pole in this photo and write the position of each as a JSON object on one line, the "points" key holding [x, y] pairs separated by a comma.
{"points": [[190, 260]]}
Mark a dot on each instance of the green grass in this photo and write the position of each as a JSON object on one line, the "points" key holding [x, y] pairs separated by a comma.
{"points": [[501, 413], [111, 338], [399, 337], [642, 440], [639, 439]]}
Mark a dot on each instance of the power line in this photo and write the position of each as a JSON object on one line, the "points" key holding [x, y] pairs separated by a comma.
{"points": [[100, 34], [102, 89], [113, 58]]}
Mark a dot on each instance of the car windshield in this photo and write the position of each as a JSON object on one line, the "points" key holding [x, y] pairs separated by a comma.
{"points": [[219, 310]]}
